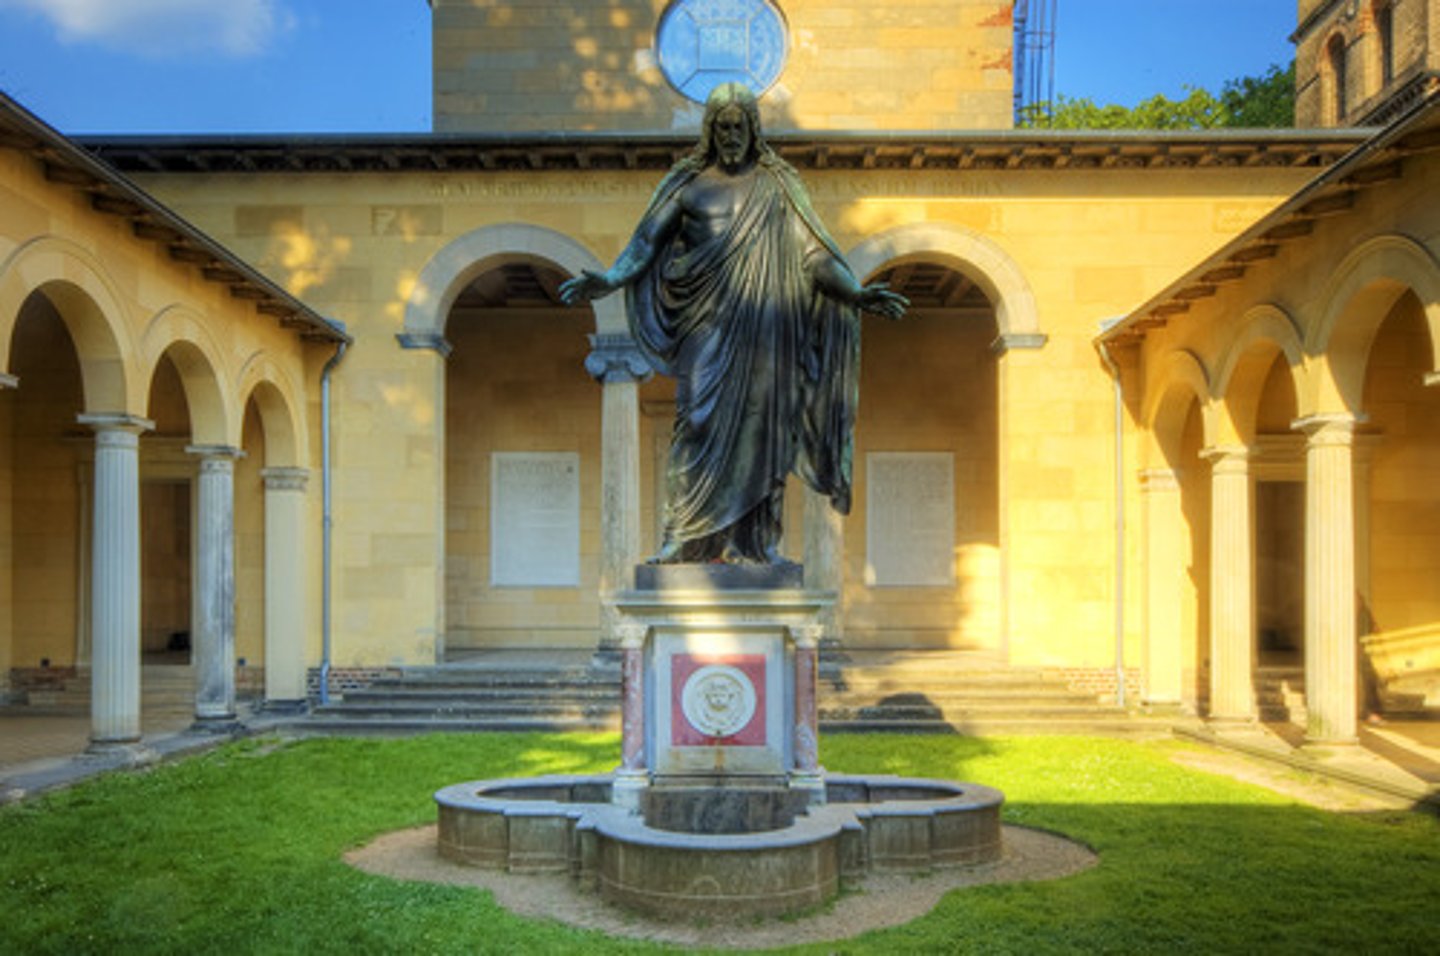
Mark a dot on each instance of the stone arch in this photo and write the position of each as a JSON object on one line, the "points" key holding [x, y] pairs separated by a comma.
{"points": [[1265, 330], [980, 259], [1361, 292], [477, 252], [278, 402], [88, 302], [1180, 379], [180, 333]]}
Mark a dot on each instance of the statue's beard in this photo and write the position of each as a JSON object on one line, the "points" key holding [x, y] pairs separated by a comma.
{"points": [[733, 157]]}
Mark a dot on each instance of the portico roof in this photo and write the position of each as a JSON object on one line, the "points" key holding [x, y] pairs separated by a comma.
{"points": [[111, 192], [1377, 160]]}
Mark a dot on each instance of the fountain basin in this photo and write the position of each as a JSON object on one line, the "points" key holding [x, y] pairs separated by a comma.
{"points": [[776, 859]]}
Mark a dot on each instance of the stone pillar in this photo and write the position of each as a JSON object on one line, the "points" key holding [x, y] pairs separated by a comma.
{"points": [[1232, 585], [825, 559], [632, 777], [115, 581], [1330, 639], [1164, 578], [285, 573], [214, 623], [620, 368]]}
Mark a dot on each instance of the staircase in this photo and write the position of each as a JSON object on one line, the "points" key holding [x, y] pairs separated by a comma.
{"points": [[907, 692], [1280, 694], [547, 691], [960, 693]]}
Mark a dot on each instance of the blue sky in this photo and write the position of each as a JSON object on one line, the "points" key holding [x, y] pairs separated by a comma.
{"points": [[324, 66]]}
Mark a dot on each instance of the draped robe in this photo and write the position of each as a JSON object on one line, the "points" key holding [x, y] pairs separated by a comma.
{"points": [[766, 368]]}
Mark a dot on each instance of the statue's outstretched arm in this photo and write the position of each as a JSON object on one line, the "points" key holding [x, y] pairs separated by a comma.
{"points": [[835, 279], [650, 236]]}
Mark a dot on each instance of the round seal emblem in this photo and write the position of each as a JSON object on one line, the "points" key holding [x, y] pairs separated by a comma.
{"points": [[718, 700], [703, 43]]}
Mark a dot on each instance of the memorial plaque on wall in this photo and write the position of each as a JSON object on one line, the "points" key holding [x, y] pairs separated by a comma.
{"points": [[910, 519], [534, 519]]}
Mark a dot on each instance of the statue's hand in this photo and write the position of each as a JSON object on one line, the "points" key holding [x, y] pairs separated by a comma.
{"points": [[878, 298], [588, 285]]}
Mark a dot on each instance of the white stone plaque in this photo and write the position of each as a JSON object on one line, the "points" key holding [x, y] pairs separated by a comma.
{"points": [[910, 519], [534, 519]]}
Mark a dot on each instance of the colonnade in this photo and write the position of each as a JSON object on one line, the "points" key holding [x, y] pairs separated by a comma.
{"points": [[1330, 573], [116, 585]]}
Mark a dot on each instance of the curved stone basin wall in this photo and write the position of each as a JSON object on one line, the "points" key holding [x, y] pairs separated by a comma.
{"points": [[566, 824]]}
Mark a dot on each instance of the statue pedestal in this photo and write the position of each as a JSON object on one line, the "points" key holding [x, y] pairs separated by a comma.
{"points": [[719, 682]]}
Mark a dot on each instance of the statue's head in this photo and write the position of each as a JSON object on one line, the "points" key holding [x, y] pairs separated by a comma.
{"points": [[730, 133]]}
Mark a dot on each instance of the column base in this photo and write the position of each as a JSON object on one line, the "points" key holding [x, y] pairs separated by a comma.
{"points": [[216, 726], [120, 753], [285, 708], [1326, 750], [627, 788], [1234, 726], [810, 782]]}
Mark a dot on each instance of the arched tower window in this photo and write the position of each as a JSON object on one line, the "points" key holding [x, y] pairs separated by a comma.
{"points": [[1385, 35], [1335, 58]]}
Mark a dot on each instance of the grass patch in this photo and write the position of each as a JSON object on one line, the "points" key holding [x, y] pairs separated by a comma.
{"points": [[239, 851]]}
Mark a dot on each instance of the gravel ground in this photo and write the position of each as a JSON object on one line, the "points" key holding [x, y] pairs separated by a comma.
{"points": [[880, 901]]}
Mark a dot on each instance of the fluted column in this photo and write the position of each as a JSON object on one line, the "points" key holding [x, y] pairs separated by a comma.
{"points": [[1330, 639], [620, 368], [285, 587], [1164, 576], [214, 624], [1232, 585], [824, 558], [115, 580]]}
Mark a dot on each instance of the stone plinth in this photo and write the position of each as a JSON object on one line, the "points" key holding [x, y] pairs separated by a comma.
{"points": [[713, 673]]}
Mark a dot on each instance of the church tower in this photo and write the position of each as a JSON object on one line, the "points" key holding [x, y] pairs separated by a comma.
{"points": [[1362, 62], [635, 65]]}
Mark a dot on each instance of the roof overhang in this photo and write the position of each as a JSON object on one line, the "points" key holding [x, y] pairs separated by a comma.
{"points": [[110, 192], [571, 151], [1332, 193]]}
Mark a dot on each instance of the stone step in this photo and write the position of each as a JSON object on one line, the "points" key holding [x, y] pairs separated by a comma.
{"points": [[1087, 725], [381, 708], [428, 725]]}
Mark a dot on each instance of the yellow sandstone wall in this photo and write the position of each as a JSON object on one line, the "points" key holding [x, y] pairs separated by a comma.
{"points": [[1090, 245], [577, 65]]}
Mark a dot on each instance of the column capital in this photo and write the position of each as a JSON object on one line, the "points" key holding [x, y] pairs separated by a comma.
{"points": [[1018, 340], [224, 452], [1227, 459], [9, 381], [1159, 480], [1329, 428], [807, 636], [631, 634], [105, 423], [614, 359], [431, 341], [285, 479]]}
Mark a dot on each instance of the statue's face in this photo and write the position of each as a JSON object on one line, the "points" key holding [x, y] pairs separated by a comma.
{"points": [[732, 137]]}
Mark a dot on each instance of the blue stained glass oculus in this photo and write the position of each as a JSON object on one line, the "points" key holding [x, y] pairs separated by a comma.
{"points": [[703, 43]]}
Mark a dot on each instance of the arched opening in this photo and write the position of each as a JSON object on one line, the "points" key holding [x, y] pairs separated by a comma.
{"points": [[250, 659], [522, 464], [166, 523], [44, 510], [1384, 15], [922, 564], [1398, 556]]}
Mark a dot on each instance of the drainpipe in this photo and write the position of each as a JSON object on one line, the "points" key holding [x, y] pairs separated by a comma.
{"points": [[1119, 519], [328, 520]]}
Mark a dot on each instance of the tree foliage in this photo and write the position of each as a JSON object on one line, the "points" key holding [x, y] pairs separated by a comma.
{"points": [[1247, 102]]}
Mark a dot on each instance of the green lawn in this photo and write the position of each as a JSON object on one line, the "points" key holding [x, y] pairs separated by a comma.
{"points": [[239, 852]]}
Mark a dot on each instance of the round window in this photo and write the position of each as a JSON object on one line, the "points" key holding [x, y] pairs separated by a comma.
{"points": [[703, 43]]}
